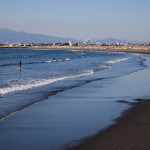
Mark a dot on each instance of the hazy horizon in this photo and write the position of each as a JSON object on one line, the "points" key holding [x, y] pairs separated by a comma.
{"points": [[97, 19]]}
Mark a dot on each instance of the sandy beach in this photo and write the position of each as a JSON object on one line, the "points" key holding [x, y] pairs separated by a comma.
{"points": [[132, 131]]}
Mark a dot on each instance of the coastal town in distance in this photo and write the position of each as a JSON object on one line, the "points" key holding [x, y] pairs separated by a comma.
{"points": [[85, 45]]}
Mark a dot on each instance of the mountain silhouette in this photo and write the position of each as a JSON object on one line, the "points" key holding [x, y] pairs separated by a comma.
{"points": [[11, 36]]}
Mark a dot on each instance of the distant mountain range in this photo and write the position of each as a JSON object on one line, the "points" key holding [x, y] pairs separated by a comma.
{"points": [[110, 40], [114, 40], [10, 36]]}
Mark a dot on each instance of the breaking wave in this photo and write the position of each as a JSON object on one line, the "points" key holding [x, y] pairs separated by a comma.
{"points": [[116, 60], [41, 82]]}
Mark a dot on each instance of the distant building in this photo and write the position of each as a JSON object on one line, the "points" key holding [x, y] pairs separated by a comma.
{"points": [[117, 43], [12, 44], [32, 44], [86, 41], [56, 44], [70, 43], [60, 44], [19, 44]]}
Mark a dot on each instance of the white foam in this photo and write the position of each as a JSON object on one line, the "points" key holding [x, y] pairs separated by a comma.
{"points": [[75, 50], [26, 56], [41, 82], [116, 60], [67, 59], [104, 67], [49, 61]]}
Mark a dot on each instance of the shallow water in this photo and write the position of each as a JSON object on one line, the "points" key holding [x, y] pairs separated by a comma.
{"points": [[42, 75], [78, 93]]}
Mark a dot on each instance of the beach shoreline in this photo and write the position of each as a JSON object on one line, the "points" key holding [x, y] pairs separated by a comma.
{"points": [[131, 131], [128, 48]]}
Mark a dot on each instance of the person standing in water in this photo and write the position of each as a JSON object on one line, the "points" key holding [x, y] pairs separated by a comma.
{"points": [[20, 63]]}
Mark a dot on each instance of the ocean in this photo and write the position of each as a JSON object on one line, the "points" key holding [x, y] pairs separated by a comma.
{"points": [[61, 96]]}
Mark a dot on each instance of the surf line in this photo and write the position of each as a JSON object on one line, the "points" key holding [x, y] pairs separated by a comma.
{"points": [[41, 82]]}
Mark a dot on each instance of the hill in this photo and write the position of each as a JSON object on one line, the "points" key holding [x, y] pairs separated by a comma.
{"points": [[10, 36], [110, 40]]}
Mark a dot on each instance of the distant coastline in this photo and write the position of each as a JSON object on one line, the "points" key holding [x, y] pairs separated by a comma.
{"points": [[144, 49]]}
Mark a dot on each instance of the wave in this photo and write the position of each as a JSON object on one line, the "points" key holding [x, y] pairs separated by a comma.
{"points": [[67, 59], [116, 60], [104, 67], [54, 92], [76, 50], [42, 82], [49, 61], [26, 56]]}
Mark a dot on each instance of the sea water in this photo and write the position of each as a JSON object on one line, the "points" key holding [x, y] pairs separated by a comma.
{"points": [[71, 86]]}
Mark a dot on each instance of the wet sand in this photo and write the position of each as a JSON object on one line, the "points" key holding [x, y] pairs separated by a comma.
{"points": [[132, 131]]}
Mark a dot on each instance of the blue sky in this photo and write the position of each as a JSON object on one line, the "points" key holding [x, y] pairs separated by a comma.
{"points": [[80, 19]]}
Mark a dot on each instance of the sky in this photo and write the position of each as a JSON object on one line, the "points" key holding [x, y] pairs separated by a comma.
{"points": [[79, 19]]}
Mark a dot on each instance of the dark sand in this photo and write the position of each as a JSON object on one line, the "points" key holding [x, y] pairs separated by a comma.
{"points": [[132, 131]]}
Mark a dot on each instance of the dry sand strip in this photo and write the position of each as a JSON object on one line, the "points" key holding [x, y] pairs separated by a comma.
{"points": [[130, 49], [131, 132]]}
